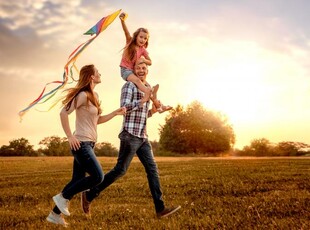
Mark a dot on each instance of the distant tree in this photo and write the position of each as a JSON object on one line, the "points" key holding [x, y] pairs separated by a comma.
{"points": [[18, 147], [196, 130], [290, 148], [105, 149], [5, 150], [263, 147], [258, 147], [54, 146]]}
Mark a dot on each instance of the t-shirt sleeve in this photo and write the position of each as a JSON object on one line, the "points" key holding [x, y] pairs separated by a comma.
{"points": [[145, 53], [78, 101]]}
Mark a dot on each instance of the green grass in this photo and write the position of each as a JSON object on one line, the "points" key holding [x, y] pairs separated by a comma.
{"points": [[215, 193]]}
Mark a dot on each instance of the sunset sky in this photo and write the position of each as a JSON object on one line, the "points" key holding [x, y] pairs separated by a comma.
{"points": [[247, 59]]}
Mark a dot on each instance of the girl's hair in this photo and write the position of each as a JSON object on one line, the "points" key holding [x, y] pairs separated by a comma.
{"points": [[83, 84], [129, 50]]}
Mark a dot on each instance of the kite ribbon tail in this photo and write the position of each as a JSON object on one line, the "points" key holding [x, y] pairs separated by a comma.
{"points": [[71, 60], [73, 56], [36, 101]]}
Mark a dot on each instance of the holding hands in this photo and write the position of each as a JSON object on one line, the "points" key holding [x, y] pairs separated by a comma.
{"points": [[120, 111], [75, 143]]}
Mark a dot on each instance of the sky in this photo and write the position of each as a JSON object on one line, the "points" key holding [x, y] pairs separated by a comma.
{"points": [[247, 59]]}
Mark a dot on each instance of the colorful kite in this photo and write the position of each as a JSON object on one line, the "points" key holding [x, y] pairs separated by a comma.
{"points": [[96, 29]]}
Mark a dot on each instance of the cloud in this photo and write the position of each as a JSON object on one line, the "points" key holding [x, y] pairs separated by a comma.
{"points": [[38, 33], [19, 52]]}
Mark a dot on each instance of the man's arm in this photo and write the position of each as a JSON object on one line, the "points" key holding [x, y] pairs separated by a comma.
{"points": [[127, 98]]}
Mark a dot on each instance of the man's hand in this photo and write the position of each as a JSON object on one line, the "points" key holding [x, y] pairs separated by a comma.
{"points": [[120, 111]]}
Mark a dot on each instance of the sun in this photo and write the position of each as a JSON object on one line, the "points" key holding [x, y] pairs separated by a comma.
{"points": [[235, 86]]}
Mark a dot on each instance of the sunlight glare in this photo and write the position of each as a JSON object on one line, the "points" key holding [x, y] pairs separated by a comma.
{"points": [[235, 86]]}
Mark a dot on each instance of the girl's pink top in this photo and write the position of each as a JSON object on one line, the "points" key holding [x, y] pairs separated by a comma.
{"points": [[141, 51]]}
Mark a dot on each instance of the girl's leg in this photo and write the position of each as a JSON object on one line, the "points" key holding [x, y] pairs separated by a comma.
{"points": [[154, 97], [147, 91], [159, 106]]}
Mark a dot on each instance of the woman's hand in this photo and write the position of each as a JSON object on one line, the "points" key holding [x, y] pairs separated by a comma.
{"points": [[120, 111], [74, 143]]}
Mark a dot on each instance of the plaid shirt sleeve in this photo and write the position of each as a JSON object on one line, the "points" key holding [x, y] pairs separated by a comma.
{"points": [[129, 99], [136, 115]]}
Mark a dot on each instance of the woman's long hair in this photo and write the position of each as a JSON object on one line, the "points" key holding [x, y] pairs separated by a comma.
{"points": [[83, 84], [130, 48]]}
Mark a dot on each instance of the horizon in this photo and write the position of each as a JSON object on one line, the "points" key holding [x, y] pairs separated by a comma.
{"points": [[249, 61]]}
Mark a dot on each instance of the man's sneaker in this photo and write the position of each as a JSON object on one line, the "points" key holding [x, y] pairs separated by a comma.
{"points": [[85, 203], [56, 219], [167, 212], [62, 204]]}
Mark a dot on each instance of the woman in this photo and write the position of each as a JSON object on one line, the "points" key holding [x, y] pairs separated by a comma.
{"points": [[84, 100]]}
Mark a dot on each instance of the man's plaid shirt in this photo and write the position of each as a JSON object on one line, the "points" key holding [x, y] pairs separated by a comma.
{"points": [[136, 116]]}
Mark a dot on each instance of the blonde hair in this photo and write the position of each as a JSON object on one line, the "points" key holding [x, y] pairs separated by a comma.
{"points": [[83, 84], [129, 50]]}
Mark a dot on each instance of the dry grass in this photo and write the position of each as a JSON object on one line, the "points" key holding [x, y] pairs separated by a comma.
{"points": [[215, 193]]}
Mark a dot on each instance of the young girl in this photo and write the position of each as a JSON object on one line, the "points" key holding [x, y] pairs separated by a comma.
{"points": [[84, 100], [135, 52]]}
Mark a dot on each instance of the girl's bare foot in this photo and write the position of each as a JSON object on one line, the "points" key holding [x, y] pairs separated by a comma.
{"points": [[164, 108], [157, 104]]}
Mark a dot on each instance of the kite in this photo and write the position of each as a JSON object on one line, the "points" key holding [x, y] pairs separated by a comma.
{"points": [[101, 25]]}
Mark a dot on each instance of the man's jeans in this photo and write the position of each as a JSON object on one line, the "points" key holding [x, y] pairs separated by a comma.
{"points": [[131, 145], [85, 161]]}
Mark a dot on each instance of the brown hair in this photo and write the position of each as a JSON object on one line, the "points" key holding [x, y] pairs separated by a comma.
{"points": [[129, 50], [83, 84]]}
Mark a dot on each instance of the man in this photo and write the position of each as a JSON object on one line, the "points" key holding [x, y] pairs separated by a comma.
{"points": [[133, 140]]}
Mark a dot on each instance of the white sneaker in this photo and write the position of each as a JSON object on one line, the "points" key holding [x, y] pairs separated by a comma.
{"points": [[56, 219], [62, 204]]}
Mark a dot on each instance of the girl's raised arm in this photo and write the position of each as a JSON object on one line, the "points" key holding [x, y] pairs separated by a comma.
{"points": [[122, 17]]}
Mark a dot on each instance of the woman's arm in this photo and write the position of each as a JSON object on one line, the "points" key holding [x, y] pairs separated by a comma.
{"points": [[64, 118], [105, 118], [78, 101]]}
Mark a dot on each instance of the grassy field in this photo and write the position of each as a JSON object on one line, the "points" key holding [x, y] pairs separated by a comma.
{"points": [[215, 193]]}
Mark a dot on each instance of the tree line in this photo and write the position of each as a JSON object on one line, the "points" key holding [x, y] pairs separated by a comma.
{"points": [[50, 146], [191, 130]]}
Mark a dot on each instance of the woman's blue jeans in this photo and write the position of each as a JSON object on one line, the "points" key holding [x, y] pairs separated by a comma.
{"points": [[85, 161], [129, 146]]}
